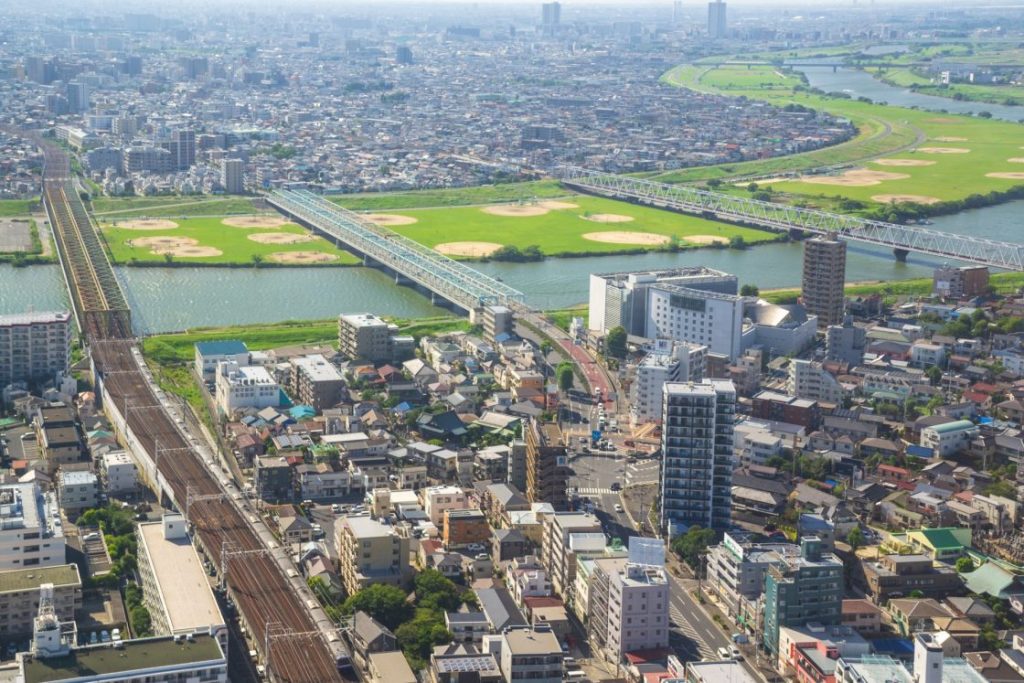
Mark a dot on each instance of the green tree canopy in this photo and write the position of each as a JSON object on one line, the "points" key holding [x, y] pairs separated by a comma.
{"points": [[964, 565], [435, 591], [566, 376], [855, 538], [384, 603], [615, 342], [694, 543], [749, 290]]}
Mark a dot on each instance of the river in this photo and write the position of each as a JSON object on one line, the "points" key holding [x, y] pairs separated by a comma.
{"points": [[165, 299], [862, 84]]}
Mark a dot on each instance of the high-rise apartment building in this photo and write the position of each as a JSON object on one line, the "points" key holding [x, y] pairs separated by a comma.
{"points": [[803, 589], [668, 361], [550, 16], [823, 280], [716, 20], [546, 471], [628, 607], [34, 346], [697, 445], [231, 176], [184, 144]]}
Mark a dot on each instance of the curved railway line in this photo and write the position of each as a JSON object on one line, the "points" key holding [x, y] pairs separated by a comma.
{"points": [[292, 647]]}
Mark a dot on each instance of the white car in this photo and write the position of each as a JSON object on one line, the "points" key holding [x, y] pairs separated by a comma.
{"points": [[619, 508]]}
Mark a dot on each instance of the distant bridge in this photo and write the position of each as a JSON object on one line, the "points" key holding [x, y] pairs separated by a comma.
{"points": [[902, 239], [453, 281]]}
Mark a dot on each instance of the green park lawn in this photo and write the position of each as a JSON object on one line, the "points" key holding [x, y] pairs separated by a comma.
{"points": [[885, 132], [169, 206], [560, 231], [234, 243], [455, 196]]}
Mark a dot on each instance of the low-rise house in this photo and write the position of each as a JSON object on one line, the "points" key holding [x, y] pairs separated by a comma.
{"points": [[895, 576], [862, 616], [467, 627], [369, 636]]}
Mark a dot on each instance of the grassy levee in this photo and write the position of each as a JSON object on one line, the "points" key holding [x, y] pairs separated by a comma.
{"points": [[10, 208], [1003, 283], [169, 206], [970, 92], [458, 196], [178, 348]]}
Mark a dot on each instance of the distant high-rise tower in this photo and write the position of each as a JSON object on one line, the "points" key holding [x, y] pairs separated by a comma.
{"points": [[823, 280], [78, 97], [551, 16], [403, 55], [696, 446], [231, 176], [185, 149], [716, 20], [677, 12]]}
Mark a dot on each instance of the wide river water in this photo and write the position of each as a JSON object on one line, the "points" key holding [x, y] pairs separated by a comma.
{"points": [[166, 299]]}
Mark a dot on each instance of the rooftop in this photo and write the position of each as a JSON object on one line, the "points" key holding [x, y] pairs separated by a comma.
{"points": [[184, 588], [30, 579], [363, 320], [90, 663], [317, 368], [878, 669], [364, 527], [34, 318], [956, 426], [525, 642]]}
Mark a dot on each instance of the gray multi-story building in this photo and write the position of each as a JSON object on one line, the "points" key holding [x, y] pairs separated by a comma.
{"points": [[628, 607], [717, 26], [231, 176], [803, 589], [531, 655], [697, 445], [34, 346], [19, 596], [315, 382], [366, 336], [824, 278], [736, 570], [845, 343]]}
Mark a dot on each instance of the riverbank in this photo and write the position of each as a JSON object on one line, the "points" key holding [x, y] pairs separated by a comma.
{"points": [[1002, 283]]}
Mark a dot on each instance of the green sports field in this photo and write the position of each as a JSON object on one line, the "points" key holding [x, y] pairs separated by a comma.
{"points": [[938, 156], [561, 231], [211, 234]]}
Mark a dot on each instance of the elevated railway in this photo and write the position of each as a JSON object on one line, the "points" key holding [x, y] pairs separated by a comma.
{"points": [[293, 648], [902, 239]]}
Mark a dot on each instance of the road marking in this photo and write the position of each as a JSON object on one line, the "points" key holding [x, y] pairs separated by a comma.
{"points": [[689, 631], [593, 492]]}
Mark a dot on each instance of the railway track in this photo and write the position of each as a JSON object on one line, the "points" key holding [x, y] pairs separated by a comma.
{"points": [[292, 647]]}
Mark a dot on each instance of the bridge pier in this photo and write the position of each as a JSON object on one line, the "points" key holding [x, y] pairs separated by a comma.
{"points": [[901, 254]]}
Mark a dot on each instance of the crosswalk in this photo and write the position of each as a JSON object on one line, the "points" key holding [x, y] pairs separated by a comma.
{"points": [[679, 621], [592, 491]]}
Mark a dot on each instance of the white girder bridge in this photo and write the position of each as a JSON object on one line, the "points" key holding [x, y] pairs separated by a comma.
{"points": [[452, 281], [902, 239]]}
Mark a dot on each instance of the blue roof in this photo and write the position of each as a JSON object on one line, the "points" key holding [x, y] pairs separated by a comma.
{"points": [[919, 451], [222, 348], [299, 412], [896, 646]]}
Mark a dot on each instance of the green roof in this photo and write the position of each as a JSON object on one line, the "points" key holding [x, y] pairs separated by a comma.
{"points": [[941, 539], [990, 579], [30, 579], [93, 662]]}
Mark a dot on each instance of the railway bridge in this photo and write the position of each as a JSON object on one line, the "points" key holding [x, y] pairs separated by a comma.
{"points": [[902, 239], [443, 277]]}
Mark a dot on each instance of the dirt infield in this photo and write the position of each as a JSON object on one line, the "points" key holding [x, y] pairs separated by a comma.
{"points": [[706, 239], [279, 238], [389, 219], [904, 162], [1010, 175], [254, 222], [943, 150], [163, 242], [607, 218], [556, 205], [644, 239], [146, 224], [472, 249], [301, 257], [910, 198], [942, 119], [857, 178], [948, 138], [1016, 160], [515, 210], [194, 252]]}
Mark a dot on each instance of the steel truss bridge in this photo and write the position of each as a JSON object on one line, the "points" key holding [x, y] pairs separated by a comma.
{"points": [[453, 281], [902, 239]]}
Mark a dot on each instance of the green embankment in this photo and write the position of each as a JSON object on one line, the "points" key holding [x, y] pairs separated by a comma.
{"points": [[459, 196], [1004, 283], [111, 208]]}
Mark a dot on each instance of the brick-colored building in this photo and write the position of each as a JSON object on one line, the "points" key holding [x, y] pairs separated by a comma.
{"points": [[462, 527]]}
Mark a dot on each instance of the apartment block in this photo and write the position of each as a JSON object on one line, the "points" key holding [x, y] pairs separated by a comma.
{"points": [[464, 527], [367, 337], [439, 499], [557, 553], [175, 586], [19, 596], [668, 361], [208, 355], [896, 576], [241, 386], [34, 347], [31, 531], [531, 655], [370, 552], [316, 382], [824, 278], [697, 454], [803, 589], [547, 475], [628, 607]]}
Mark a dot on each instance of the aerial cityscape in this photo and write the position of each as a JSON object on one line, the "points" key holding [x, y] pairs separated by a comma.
{"points": [[471, 342]]}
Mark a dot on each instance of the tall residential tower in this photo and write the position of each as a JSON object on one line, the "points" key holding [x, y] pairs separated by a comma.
{"points": [[716, 20], [823, 279]]}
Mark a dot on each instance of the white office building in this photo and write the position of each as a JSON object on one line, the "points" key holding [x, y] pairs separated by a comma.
{"points": [[949, 438], [810, 380], [31, 533], [120, 472], [668, 361], [628, 607], [245, 387], [697, 454]]}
